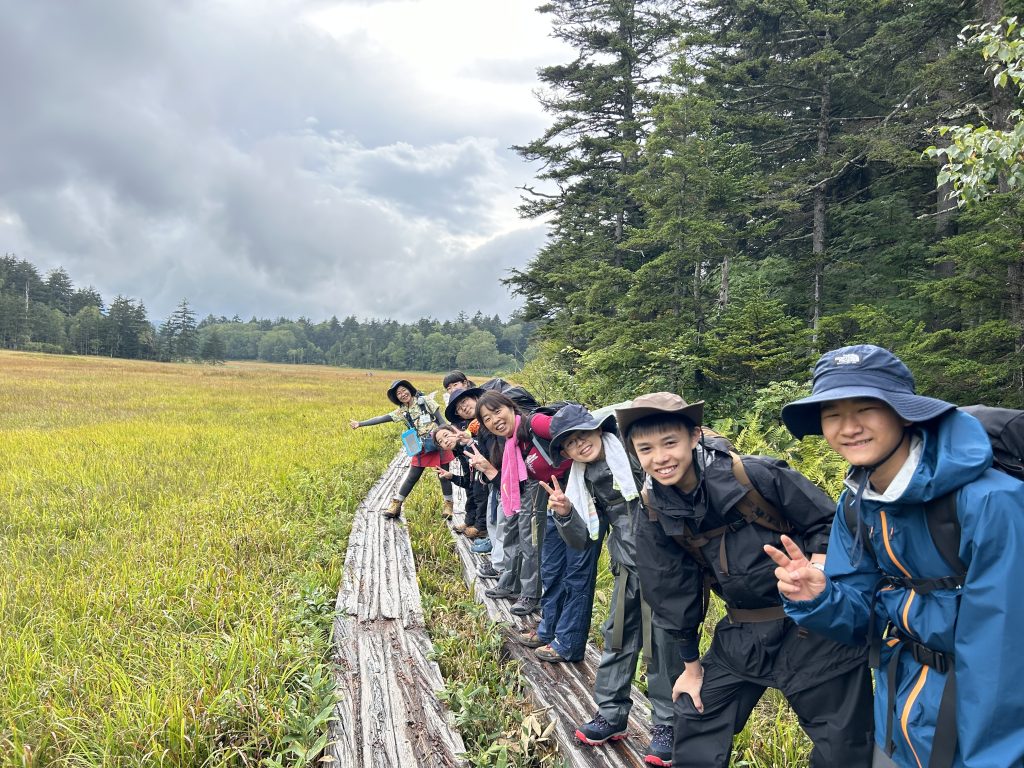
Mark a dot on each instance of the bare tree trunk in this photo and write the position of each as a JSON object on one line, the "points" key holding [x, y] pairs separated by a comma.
{"points": [[698, 304], [723, 288], [945, 203], [819, 230]]}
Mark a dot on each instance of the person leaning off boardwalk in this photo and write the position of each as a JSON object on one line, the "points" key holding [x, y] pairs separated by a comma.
{"points": [[461, 412], [601, 499], [420, 413], [948, 685], [517, 465], [697, 530]]}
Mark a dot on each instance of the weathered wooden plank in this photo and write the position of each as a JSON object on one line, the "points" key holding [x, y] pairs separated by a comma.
{"points": [[389, 714], [343, 731], [562, 691]]}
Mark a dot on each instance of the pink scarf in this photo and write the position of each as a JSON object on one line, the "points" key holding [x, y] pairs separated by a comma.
{"points": [[513, 472]]}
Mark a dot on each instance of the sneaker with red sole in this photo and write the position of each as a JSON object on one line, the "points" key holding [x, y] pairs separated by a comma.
{"points": [[599, 731]]}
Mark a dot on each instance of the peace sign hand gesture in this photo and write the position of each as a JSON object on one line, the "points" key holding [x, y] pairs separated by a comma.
{"points": [[557, 500], [798, 579], [480, 463]]}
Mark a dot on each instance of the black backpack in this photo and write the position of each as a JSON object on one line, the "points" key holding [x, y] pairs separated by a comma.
{"points": [[518, 395], [1005, 429]]}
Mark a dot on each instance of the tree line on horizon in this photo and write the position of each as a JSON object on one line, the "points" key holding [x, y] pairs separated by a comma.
{"points": [[736, 186], [47, 313]]}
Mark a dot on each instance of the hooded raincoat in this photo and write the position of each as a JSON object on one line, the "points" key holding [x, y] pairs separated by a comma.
{"points": [[980, 625]]}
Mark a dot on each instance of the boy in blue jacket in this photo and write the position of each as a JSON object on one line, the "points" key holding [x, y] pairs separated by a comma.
{"points": [[945, 645]]}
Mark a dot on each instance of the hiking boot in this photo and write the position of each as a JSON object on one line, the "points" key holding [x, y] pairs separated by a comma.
{"points": [[481, 546], [660, 750], [500, 593], [470, 532], [599, 731], [395, 510], [460, 527], [525, 606], [530, 639], [487, 571], [449, 509], [549, 654]]}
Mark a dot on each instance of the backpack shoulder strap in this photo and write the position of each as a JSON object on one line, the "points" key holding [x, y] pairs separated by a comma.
{"points": [[434, 412], [754, 507], [686, 540], [944, 527]]}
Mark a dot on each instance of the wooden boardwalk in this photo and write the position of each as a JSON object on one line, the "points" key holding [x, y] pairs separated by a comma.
{"points": [[389, 714]]}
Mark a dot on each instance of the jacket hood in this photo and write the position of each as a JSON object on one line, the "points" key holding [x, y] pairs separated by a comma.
{"points": [[957, 451]]}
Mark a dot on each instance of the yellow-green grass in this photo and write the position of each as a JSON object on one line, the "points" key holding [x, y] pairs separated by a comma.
{"points": [[173, 538]]}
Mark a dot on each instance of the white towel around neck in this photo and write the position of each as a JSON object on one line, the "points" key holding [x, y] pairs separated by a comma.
{"points": [[622, 481]]}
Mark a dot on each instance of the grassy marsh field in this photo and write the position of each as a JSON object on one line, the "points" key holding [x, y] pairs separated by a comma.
{"points": [[173, 539]]}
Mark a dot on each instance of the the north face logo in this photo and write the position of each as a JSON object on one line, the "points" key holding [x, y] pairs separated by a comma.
{"points": [[850, 358]]}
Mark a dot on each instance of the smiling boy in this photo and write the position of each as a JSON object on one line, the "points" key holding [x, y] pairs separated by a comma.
{"points": [[709, 515], [944, 635], [601, 498]]}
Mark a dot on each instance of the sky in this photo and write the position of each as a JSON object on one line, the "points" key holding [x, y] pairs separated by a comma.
{"points": [[274, 157]]}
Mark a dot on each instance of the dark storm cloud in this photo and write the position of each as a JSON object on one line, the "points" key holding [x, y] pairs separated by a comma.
{"points": [[236, 155]]}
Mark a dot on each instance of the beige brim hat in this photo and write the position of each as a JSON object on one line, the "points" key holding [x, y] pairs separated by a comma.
{"points": [[657, 402]]}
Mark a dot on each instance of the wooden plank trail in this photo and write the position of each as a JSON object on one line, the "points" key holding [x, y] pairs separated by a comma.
{"points": [[389, 714]]}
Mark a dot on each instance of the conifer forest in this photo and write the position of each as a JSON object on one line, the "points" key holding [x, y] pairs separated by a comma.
{"points": [[731, 187]]}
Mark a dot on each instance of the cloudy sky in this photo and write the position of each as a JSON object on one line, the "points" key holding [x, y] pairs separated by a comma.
{"points": [[273, 157]]}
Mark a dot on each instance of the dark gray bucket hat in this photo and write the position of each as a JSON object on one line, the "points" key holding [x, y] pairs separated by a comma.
{"points": [[574, 417], [394, 388], [862, 370], [450, 411]]}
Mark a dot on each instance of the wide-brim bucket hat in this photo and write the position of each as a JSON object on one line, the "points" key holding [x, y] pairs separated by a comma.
{"points": [[458, 396], [861, 370], [575, 418], [393, 397], [657, 402]]}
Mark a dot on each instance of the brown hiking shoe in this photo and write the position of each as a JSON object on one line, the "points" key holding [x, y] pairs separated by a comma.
{"points": [[395, 510], [470, 532], [460, 527], [449, 508]]}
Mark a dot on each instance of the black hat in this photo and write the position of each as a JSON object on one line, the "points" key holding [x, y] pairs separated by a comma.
{"points": [[862, 370], [449, 412], [400, 383], [573, 417]]}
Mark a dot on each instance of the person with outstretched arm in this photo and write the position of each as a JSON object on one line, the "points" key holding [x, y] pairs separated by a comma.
{"points": [[420, 413]]}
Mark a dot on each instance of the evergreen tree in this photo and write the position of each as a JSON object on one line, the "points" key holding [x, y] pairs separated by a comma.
{"points": [[600, 102], [59, 290], [213, 350], [180, 333]]}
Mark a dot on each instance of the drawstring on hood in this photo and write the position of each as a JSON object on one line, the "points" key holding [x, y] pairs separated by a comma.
{"points": [[864, 472]]}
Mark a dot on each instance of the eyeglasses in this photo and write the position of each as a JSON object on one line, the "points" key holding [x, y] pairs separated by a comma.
{"points": [[573, 441]]}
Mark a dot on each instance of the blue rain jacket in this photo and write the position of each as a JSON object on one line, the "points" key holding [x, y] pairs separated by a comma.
{"points": [[982, 624]]}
